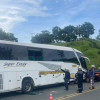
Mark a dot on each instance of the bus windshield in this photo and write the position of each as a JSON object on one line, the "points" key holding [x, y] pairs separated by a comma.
{"points": [[82, 60]]}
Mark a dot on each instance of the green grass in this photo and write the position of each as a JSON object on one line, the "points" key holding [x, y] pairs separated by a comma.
{"points": [[89, 47]]}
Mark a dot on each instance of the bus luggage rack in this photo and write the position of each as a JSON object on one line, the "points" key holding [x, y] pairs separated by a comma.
{"points": [[1, 82]]}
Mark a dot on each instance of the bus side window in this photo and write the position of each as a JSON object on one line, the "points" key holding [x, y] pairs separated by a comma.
{"points": [[35, 54], [31, 58]]}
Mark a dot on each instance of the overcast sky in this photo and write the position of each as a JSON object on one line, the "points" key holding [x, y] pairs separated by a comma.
{"points": [[25, 17]]}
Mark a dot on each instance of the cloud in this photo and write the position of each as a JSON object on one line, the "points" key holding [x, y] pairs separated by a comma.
{"points": [[13, 12]]}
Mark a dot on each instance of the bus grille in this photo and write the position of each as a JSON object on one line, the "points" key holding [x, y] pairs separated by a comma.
{"points": [[1, 82]]}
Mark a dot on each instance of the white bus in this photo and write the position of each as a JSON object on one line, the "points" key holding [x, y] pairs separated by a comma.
{"points": [[25, 66]]}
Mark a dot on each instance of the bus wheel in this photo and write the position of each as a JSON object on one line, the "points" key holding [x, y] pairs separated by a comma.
{"points": [[27, 86]]}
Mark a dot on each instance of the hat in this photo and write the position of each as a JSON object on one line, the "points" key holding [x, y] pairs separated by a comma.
{"points": [[66, 69], [92, 66]]}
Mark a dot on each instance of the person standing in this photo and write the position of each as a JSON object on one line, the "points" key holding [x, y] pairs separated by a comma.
{"points": [[79, 76], [66, 78], [92, 71]]}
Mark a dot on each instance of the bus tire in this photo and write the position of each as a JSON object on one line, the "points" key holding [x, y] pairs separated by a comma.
{"points": [[27, 86]]}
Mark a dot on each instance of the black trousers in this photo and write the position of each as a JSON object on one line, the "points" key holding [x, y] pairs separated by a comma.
{"points": [[80, 86], [66, 83]]}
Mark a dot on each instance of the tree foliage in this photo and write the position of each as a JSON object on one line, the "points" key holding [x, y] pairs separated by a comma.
{"points": [[7, 36], [43, 37], [86, 30], [98, 36], [69, 33], [66, 34], [56, 33]]}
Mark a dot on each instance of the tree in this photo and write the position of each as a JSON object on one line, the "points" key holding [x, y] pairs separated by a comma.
{"points": [[78, 31], [98, 36], [7, 36], [69, 33], [56, 33], [43, 37], [11, 37], [86, 29], [66, 34]]}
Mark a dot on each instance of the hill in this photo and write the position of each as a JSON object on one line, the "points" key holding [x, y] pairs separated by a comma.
{"points": [[89, 47]]}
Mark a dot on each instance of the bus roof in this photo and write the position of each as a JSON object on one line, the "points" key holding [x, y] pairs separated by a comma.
{"points": [[39, 45]]}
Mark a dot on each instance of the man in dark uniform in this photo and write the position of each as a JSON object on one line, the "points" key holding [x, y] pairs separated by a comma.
{"points": [[79, 76], [67, 77]]}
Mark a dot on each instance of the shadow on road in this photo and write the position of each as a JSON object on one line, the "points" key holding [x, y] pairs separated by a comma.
{"points": [[9, 94], [36, 91]]}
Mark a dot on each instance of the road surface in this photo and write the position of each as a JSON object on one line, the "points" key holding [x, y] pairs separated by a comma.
{"points": [[59, 93]]}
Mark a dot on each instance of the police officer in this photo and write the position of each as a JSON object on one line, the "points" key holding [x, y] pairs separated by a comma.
{"points": [[79, 76], [66, 78], [92, 71]]}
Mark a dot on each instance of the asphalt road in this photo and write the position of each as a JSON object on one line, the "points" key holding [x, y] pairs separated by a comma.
{"points": [[58, 93]]}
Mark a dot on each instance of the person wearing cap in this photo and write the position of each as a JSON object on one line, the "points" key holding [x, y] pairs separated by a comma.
{"points": [[79, 76], [66, 78], [92, 71]]}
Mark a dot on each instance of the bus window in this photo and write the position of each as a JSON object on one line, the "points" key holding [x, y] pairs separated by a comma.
{"points": [[5, 53], [69, 56], [59, 55], [35, 54], [52, 55], [13, 52]]}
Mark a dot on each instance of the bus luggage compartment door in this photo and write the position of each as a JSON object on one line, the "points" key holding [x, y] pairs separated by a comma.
{"points": [[12, 81], [1, 81]]}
